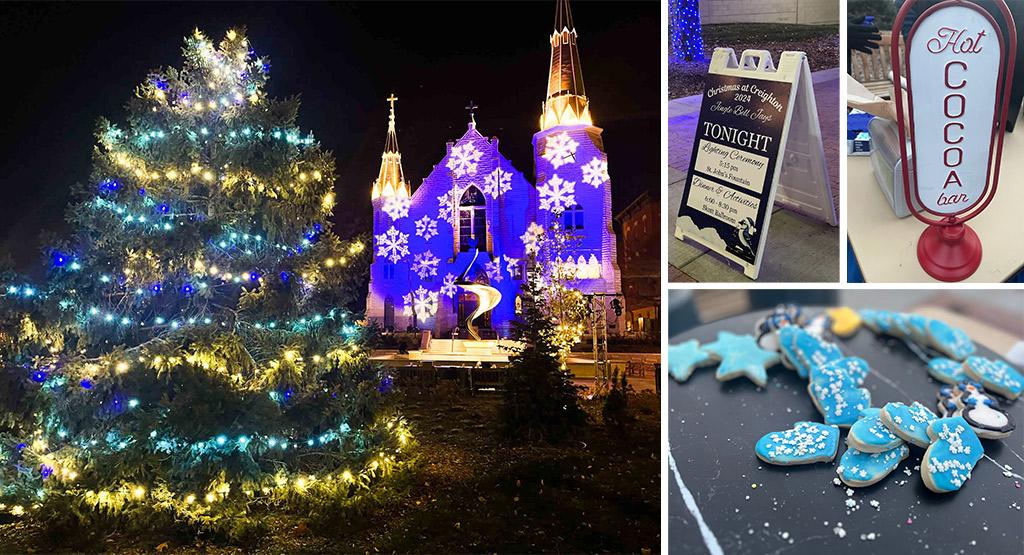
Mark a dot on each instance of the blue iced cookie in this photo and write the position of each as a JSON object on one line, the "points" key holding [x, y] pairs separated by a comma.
{"points": [[852, 370], [996, 375], [918, 328], [839, 403], [684, 357], [804, 351], [878, 321], [951, 457], [946, 370], [804, 443], [950, 341], [741, 356], [869, 435], [901, 326], [859, 469], [909, 423]]}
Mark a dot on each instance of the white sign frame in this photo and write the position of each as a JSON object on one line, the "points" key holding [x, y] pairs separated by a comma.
{"points": [[805, 187]]}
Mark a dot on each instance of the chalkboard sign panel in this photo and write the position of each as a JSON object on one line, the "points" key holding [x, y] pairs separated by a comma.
{"points": [[740, 143]]}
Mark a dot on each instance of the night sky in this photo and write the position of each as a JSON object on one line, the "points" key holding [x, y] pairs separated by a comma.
{"points": [[68, 64]]}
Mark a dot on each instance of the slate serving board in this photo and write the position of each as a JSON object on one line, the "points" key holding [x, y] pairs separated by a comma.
{"points": [[712, 429]]}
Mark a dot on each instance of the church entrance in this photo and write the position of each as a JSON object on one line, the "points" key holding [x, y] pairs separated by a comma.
{"points": [[467, 304]]}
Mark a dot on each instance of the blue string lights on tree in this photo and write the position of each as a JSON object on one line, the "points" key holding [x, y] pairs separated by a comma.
{"points": [[687, 40], [198, 281]]}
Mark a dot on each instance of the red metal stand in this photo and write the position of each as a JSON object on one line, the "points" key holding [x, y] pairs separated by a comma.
{"points": [[949, 252]]}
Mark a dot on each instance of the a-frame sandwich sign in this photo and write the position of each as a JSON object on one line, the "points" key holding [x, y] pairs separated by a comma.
{"points": [[757, 142]]}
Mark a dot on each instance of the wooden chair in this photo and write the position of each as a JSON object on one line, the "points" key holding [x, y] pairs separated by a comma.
{"points": [[872, 70]]}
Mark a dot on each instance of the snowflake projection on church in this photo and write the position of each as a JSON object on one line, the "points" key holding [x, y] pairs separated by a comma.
{"points": [[397, 207], [425, 264], [421, 302], [497, 182], [560, 149], [493, 269], [426, 227], [531, 238], [448, 287], [510, 264], [445, 208], [393, 244], [595, 172], [463, 159], [557, 194]]}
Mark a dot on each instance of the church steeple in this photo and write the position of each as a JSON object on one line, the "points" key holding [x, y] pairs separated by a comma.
{"points": [[566, 102], [390, 180]]}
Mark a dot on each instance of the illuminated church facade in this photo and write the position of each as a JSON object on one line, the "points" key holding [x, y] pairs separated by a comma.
{"points": [[475, 198]]}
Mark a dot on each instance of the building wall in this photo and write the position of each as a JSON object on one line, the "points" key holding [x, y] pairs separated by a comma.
{"points": [[639, 261], [510, 210], [769, 11]]}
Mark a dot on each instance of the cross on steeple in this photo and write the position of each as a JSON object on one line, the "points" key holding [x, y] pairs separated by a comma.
{"points": [[471, 108], [391, 99]]}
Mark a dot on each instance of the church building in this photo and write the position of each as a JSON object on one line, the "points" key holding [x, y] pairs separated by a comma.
{"points": [[476, 214]]}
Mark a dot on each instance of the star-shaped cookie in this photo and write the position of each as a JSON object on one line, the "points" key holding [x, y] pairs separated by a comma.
{"points": [[685, 357], [741, 356]]}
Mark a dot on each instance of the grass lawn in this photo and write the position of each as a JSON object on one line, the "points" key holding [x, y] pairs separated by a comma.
{"points": [[820, 42], [468, 492]]}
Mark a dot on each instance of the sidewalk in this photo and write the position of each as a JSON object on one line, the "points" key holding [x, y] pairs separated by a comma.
{"points": [[798, 248]]}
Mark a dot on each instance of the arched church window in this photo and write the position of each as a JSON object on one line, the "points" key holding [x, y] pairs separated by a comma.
{"points": [[472, 219], [572, 218]]}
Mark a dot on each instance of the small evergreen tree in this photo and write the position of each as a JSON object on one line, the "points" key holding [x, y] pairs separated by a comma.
{"points": [[190, 353], [540, 400]]}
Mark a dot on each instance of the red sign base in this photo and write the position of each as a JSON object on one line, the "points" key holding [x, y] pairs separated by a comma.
{"points": [[949, 252]]}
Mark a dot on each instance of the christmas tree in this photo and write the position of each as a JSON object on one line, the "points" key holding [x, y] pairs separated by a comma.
{"points": [[685, 34], [189, 353]]}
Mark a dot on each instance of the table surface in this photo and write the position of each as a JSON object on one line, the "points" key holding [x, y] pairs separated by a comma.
{"points": [[886, 246], [753, 507]]}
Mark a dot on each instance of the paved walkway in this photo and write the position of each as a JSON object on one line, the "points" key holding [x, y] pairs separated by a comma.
{"points": [[798, 248]]}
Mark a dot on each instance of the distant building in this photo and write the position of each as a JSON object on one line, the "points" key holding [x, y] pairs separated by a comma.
{"points": [[774, 11], [424, 238], [640, 264]]}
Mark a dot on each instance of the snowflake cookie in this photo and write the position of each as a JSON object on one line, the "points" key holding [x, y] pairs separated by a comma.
{"points": [[909, 423], [858, 469], [949, 460], [685, 357], [804, 443], [870, 435], [740, 356], [995, 375], [946, 370]]}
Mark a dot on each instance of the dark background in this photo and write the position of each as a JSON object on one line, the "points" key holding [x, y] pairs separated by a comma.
{"points": [[68, 64]]}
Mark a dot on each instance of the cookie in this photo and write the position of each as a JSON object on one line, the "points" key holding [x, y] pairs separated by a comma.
{"points": [[685, 357], [766, 328], [820, 326], [918, 328], [946, 370], [845, 321], [804, 443], [878, 321], [982, 413], [901, 326], [837, 394], [996, 375], [740, 356], [908, 423], [950, 341], [869, 435], [853, 370], [804, 351], [859, 469], [949, 460]]}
